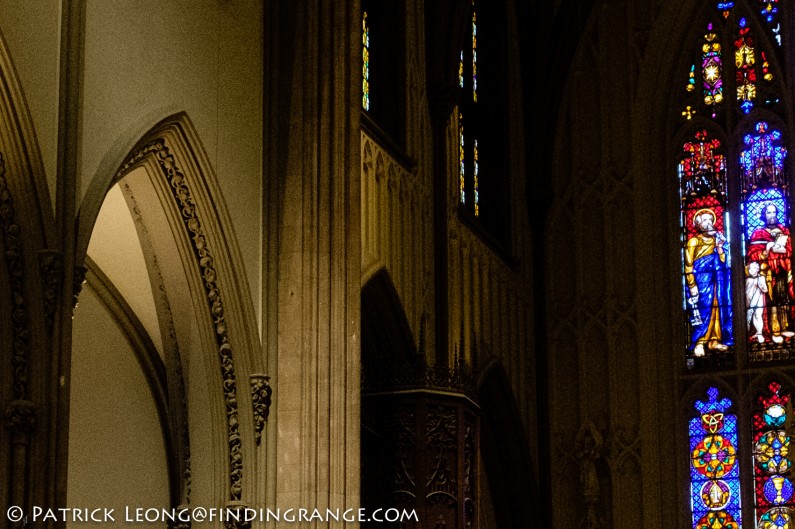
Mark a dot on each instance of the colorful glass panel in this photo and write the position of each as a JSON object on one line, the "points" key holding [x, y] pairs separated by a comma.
{"points": [[461, 70], [725, 8], [744, 61], [714, 468], [474, 55], [712, 70], [365, 62], [773, 487], [769, 10], [767, 245], [475, 179], [705, 255], [461, 160], [767, 75]]}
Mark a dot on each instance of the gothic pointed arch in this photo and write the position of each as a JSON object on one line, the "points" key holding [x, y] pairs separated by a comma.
{"points": [[192, 257], [504, 448]]}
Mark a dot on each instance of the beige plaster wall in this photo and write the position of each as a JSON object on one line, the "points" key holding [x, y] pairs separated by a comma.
{"points": [[145, 60], [116, 450], [115, 248], [150, 58]]}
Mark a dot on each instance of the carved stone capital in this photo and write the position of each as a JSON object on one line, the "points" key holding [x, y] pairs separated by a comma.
{"points": [[261, 402], [21, 416]]}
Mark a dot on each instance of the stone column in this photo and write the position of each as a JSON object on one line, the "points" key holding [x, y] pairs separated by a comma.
{"points": [[313, 96]]}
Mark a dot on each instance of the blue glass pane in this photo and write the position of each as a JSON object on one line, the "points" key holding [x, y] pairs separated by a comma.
{"points": [[714, 469]]}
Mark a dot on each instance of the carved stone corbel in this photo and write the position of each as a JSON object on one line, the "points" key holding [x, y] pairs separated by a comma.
{"points": [[79, 274], [261, 402]]}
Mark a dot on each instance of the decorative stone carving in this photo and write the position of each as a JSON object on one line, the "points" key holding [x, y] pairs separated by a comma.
{"points": [[459, 378], [368, 164], [176, 524], [380, 169], [589, 447], [51, 269], [441, 439], [470, 464], [239, 508], [183, 197], [261, 402], [405, 438], [12, 236], [624, 449], [21, 416], [78, 282]]}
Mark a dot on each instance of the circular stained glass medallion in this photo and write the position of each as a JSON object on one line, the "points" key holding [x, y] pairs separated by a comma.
{"points": [[715, 494], [775, 518], [778, 490], [714, 456], [717, 520], [771, 452]]}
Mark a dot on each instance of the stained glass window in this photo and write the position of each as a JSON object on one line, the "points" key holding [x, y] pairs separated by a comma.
{"points": [[767, 244], [365, 62], [761, 206], [475, 178], [773, 487], [767, 75], [744, 62], [461, 71], [712, 70], [714, 469], [725, 8], [474, 54], [738, 294], [707, 278], [468, 114], [461, 159], [769, 10]]}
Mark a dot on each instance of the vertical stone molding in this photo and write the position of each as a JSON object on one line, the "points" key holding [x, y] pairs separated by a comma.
{"points": [[313, 147], [51, 270], [21, 416], [12, 242]]}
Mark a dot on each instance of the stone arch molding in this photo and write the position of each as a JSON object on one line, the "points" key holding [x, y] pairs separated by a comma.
{"points": [[182, 180], [30, 276], [22, 163]]}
